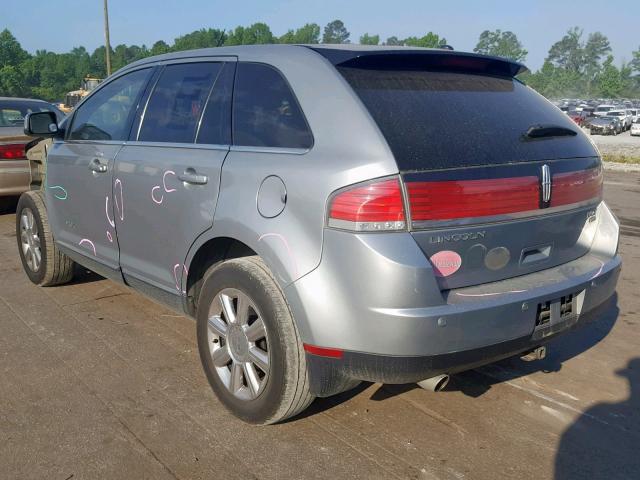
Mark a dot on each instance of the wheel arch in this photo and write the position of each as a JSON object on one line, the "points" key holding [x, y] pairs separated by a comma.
{"points": [[208, 252]]}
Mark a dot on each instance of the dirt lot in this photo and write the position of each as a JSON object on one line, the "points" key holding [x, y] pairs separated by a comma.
{"points": [[623, 145], [98, 382]]}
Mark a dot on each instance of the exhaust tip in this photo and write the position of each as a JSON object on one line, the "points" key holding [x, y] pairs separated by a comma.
{"points": [[434, 384], [538, 353]]}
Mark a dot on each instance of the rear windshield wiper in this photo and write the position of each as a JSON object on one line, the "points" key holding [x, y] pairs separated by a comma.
{"points": [[548, 131]]}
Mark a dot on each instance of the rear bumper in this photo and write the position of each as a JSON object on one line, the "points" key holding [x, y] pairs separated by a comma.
{"points": [[15, 177], [329, 376], [375, 298]]}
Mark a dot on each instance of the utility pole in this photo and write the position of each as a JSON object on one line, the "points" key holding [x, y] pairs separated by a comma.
{"points": [[106, 37]]}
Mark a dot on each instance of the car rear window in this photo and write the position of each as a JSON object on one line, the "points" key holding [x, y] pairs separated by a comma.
{"points": [[177, 102], [440, 119], [12, 113]]}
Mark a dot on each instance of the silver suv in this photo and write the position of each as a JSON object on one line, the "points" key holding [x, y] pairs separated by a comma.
{"points": [[329, 214]]}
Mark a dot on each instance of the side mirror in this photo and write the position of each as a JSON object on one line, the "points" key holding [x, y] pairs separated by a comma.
{"points": [[41, 124]]}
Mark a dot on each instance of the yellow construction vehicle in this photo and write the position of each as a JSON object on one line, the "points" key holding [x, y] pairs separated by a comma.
{"points": [[71, 99]]}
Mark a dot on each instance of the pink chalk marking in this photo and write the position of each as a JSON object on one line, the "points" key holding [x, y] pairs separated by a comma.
{"points": [[119, 206], [294, 265], [599, 271], [445, 263], [88, 242], [153, 197], [109, 237], [176, 267], [164, 181], [106, 211]]}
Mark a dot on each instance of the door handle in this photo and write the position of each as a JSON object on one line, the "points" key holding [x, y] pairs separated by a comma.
{"points": [[96, 166], [193, 177]]}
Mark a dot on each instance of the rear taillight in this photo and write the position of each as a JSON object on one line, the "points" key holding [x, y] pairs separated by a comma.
{"points": [[576, 187], [379, 205], [12, 151], [369, 207], [455, 199]]}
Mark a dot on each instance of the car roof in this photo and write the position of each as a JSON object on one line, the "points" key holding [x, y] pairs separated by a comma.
{"points": [[335, 53], [18, 99]]}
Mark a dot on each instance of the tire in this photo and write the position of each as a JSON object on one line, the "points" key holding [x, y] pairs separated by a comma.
{"points": [[34, 235], [281, 386]]}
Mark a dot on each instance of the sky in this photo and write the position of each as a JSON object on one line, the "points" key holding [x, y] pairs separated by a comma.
{"points": [[61, 25]]}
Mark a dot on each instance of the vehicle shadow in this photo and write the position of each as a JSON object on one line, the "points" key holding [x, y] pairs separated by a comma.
{"points": [[603, 442], [82, 275], [320, 405], [8, 205]]}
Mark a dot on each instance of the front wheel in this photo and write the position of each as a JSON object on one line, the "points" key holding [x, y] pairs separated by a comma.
{"points": [[249, 345], [43, 263]]}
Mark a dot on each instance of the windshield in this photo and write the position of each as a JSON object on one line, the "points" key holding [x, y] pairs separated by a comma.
{"points": [[12, 113], [435, 119], [603, 109]]}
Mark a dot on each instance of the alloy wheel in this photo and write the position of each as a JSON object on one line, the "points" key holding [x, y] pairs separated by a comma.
{"points": [[238, 344], [30, 240]]}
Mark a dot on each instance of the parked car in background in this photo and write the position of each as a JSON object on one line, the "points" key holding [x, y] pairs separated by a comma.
{"points": [[14, 167], [602, 110], [625, 117], [635, 128], [579, 117], [605, 126], [635, 113], [321, 224]]}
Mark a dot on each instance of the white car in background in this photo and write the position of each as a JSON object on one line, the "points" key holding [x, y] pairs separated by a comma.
{"points": [[635, 129], [635, 113], [625, 116], [603, 110]]}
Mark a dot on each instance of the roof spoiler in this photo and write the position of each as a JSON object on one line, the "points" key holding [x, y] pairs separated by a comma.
{"points": [[422, 59]]}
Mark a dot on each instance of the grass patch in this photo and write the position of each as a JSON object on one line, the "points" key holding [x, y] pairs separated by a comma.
{"points": [[633, 159]]}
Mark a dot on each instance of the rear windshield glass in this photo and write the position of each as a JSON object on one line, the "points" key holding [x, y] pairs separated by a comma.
{"points": [[12, 113], [434, 120]]}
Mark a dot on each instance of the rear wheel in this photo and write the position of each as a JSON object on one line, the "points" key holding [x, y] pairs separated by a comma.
{"points": [[249, 346], [43, 263]]}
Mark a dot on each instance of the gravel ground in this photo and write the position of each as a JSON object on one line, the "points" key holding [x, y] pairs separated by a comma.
{"points": [[619, 145]]}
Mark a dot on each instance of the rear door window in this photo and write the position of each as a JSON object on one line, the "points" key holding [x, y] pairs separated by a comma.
{"points": [[265, 110], [108, 113], [440, 119], [177, 102], [215, 127]]}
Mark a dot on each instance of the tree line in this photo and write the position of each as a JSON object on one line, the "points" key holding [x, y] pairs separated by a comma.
{"points": [[577, 65]]}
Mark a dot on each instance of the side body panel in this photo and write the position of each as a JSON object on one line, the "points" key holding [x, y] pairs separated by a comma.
{"points": [[80, 202], [162, 214], [14, 177], [14, 174]]}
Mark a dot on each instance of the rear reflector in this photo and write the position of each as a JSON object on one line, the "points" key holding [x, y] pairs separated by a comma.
{"points": [[373, 206], [12, 151], [323, 352], [576, 187], [455, 199]]}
